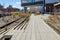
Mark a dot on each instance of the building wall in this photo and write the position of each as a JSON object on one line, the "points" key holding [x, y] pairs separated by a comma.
{"points": [[58, 8], [31, 2], [49, 7], [1, 12]]}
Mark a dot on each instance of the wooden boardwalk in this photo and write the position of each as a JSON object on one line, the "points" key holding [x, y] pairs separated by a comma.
{"points": [[36, 29]]}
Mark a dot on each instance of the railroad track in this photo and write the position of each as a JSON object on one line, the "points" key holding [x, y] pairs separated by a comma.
{"points": [[16, 25], [8, 26], [21, 28]]}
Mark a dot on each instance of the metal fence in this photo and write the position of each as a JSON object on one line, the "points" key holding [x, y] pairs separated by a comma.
{"points": [[57, 13]]}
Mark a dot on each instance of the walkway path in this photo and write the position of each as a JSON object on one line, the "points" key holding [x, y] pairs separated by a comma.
{"points": [[37, 29]]}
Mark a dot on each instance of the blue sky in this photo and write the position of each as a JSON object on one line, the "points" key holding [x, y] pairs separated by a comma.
{"points": [[17, 3], [14, 3]]}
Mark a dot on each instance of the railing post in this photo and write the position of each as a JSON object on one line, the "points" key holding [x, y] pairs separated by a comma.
{"points": [[43, 6]]}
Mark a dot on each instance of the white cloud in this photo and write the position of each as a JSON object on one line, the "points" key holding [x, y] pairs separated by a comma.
{"points": [[14, 6], [18, 2]]}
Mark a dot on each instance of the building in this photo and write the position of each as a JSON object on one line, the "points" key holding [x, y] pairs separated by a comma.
{"points": [[1, 6], [8, 10], [31, 3], [1, 10], [57, 7], [11, 9], [50, 7]]}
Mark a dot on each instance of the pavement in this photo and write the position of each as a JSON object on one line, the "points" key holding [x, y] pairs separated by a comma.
{"points": [[36, 29]]}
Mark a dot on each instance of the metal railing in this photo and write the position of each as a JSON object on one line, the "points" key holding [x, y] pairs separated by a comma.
{"points": [[52, 13]]}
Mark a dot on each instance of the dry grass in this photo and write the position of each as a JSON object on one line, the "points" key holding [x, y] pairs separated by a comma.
{"points": [[37, 14], [20, 14], [52, 21], [25, 14]]}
